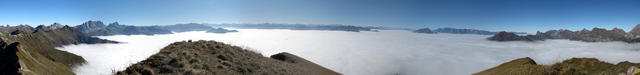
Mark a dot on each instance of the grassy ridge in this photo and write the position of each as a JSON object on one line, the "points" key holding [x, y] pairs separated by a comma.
{"points": [[210, 57]]}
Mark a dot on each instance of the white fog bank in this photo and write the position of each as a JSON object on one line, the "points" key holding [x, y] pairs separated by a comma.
{"points": [[361, 53]]}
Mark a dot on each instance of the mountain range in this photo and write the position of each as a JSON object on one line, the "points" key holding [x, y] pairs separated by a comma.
{"points": [[459, 31], [333, 27], [593, 35]]}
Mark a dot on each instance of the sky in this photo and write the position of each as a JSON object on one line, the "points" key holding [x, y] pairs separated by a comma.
{"points": [[494, 15]]}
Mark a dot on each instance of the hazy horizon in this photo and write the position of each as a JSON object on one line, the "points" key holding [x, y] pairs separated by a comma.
{"points": [[494, 15]]}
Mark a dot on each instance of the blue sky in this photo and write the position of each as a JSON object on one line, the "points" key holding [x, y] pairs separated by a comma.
{"points": [[496, 15]]}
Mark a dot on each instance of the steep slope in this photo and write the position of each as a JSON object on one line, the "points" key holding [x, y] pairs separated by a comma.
{"points": [[573, 66], [213, 58], [37, 55]]}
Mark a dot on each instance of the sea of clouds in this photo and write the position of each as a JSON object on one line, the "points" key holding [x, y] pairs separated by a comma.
{"points": [[361, 53]]}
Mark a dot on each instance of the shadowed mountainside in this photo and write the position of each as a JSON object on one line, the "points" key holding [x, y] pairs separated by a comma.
{"points": [[573, 66], [212, 58]]}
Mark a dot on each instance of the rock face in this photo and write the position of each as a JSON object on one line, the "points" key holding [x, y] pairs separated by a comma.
{"points": [[36, 53], [220, 30], [9, 64], [91, 26], [593, 35], [216, 58], [573, 66]]}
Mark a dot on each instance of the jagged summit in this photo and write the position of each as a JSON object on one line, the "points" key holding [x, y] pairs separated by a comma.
{"points": [[91, 26]]}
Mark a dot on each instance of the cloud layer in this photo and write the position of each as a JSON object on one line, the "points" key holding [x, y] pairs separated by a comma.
{"points": [[361, 53]]}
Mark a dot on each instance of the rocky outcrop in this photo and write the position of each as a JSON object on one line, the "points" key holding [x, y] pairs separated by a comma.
{"points": [[220, 30], [573, 66], [9, 64], [593, 35], [216, 58]]}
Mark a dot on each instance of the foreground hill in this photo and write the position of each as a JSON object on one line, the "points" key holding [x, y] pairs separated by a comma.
{"points": [[573, 66], [35, 52], [593, 35], [216, 58]]}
